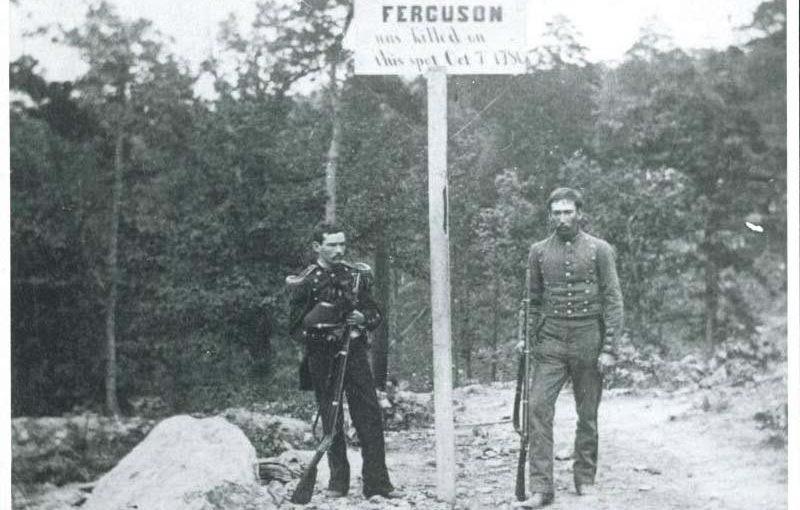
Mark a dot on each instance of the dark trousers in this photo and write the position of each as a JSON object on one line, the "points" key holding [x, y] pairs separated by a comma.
{"points": [[565, 349], [364, 412]]}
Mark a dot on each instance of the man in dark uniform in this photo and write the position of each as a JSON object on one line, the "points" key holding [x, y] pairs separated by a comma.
{"points": [[576, 314], [313, 322]]}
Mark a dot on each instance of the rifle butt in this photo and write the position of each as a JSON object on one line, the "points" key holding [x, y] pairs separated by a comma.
{"points": [[305, 487], [519, 489]]}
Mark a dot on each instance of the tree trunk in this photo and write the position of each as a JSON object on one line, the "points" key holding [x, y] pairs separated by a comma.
{"points": [[466, 351], [457, 341], [495, 329], [465, 338], [711, 296], [379, 352], [333, 148], [112, 406], [394, 323]]}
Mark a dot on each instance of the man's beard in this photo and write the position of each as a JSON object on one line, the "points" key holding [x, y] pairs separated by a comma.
{"points": [[566, 231]]}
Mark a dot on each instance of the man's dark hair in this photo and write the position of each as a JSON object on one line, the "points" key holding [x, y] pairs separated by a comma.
{"points": [[325, 227], [570, 194]]}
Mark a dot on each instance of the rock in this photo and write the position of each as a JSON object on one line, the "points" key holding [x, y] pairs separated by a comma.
{"points": [[408, 410], [741, 371], [711, 401], [718, 377], [185, 464], [565, 454], [269, 471], [270, 434], [480, 432], [149, 406], [283, 468], [689, 359], [647, 469], [473, 389], [48, 497]]}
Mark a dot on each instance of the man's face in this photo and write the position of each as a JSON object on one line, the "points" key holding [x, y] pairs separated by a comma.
{"points": [[331, 250], [564, 217]]}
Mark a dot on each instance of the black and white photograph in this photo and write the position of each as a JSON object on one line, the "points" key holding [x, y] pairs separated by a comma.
{"points": [[425, 254]]}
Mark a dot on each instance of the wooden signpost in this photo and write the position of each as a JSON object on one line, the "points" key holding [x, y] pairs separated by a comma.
{"points": [[438, 38]]}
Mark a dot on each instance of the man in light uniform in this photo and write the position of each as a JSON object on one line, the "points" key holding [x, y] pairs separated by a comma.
{"points": [[576, 315]]}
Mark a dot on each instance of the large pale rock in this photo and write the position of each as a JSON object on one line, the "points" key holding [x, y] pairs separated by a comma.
{"points": [[185, 464]]}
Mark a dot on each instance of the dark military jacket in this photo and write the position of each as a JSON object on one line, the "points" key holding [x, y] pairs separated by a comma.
{"points": [[331, 285], [575, 279]]}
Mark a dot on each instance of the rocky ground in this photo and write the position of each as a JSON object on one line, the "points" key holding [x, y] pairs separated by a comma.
{"points": [[697, 448]]}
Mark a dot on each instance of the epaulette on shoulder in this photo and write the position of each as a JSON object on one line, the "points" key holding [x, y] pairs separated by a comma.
{"points": [[293, 281]]}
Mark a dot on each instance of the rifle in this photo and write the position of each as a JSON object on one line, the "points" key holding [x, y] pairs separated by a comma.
{"points": [[522, 392], [305, 487]]}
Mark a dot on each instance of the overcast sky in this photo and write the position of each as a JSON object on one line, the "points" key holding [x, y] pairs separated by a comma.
{"points": [[609, 27]]}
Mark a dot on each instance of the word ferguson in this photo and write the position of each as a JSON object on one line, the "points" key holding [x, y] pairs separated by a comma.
{"points": [[441, 13]]}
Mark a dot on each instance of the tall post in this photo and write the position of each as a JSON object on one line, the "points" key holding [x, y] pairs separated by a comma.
{"points": [[440, 284], [112, 404], [793, 297], [5, 289]]}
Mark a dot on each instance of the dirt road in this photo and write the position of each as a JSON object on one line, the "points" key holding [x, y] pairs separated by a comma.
{"points": [[697, 450]]}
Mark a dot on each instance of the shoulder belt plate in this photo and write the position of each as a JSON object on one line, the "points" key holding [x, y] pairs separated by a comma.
{"points": [[361, 267]]}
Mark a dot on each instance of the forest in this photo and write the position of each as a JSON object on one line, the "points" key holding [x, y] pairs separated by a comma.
{"points": [[152, 227]]}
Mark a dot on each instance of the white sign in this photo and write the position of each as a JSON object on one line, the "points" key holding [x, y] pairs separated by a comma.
{"points": [[461, 36]]}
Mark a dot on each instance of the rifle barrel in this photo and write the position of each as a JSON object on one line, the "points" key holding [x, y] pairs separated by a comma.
{"points": [[522, 394]]}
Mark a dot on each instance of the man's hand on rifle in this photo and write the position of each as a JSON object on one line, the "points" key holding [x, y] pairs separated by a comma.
{"points": [[355, 318]]}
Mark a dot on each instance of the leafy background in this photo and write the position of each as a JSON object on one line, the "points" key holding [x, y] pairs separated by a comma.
{"points": [[208, 204]]}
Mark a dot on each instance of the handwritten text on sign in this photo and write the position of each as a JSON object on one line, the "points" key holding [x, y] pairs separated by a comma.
{"points": [[463, 36]]}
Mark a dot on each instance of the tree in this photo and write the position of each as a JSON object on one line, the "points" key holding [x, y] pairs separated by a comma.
{"points": [[381, 186], [53, 324], [764, 64], [286, 45], [501, 251], [547, 114], [122, 56], [690, 116]]}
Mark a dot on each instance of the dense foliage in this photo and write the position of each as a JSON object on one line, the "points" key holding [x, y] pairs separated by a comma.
{"points": [[676, 152]]}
